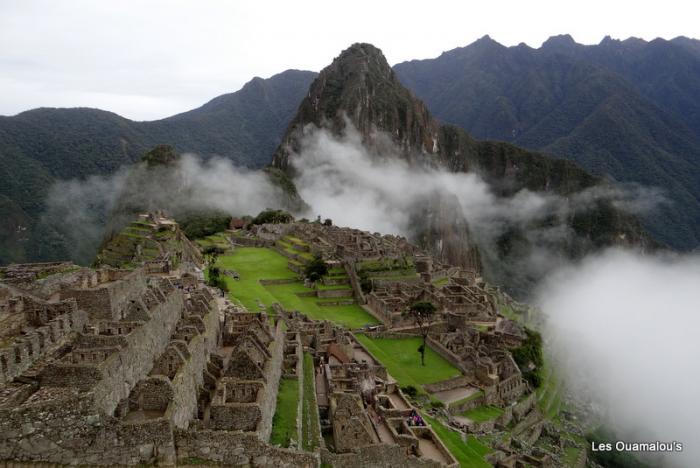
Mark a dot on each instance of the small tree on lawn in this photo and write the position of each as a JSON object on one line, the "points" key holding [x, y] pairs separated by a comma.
{"points": [[423, 314], [316, 269]]}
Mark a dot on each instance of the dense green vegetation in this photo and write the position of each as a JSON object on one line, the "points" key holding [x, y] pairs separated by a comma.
{"points": [[400, 357], [216, 280], [469, 454], [284, 423], [203, 224], [316, 269], [483, 413], [310, 436], [530, 354], [273, 217]]}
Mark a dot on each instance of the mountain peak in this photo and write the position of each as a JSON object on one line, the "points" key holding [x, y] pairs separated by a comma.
{"points": [[488, 43], [359, 86], [561, 42]]}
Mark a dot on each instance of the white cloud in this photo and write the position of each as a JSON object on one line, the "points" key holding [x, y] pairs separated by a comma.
{"points": [[623, 329]]}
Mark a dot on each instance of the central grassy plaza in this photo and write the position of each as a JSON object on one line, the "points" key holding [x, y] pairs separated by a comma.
{"points": [[254, 264], [401, 358]]}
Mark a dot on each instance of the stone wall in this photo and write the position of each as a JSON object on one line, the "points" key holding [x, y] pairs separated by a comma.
{"points": [[354, 282], [451, 357], [69, 431], [448, 384], [377, 456], [20, 356], [191, 374], [269, 402], [466, 405], [239, 449], [524, 406], [107, 300], [123, 369], [323, 293]]}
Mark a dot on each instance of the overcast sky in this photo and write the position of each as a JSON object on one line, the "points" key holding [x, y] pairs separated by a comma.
{"points": [[151, 59]]}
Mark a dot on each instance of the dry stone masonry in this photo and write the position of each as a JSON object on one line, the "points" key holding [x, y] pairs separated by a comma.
{"points": [[137, 361]]}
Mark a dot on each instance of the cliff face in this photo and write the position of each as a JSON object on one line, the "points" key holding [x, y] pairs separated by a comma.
{"points": [[359, 87]]}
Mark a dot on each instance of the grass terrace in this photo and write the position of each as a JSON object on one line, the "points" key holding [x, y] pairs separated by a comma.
{"points": [[325, 287], [216, 240], [549, 393], [351, 316], [253, 264], [471, 397], [385, 264], [469, 454], [483, 413], [441, 282], [284, 423], [295, 240], [289, 248], [310, 435], [337, 272], [401, 358]]}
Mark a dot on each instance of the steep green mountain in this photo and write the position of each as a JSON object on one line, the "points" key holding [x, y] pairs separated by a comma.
{"points": [[625, 110], [359, 86], [40, 146]]}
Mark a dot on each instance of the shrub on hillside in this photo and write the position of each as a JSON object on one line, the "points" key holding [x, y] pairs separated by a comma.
{"points": [[269, 216], [316, 269], [197, 226]]}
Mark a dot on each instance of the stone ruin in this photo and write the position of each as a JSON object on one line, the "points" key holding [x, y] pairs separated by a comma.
{"points": [[147, 365], [360, 405]]}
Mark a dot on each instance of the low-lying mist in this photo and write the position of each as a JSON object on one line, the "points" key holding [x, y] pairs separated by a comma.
{"points": [[623, 329], [81, 209], [340, 178]]}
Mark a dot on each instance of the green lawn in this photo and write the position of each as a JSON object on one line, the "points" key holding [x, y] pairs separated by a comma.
{"points": [[441, 282], [549, 393], [254, 264], [571, 455], [326, 287], [402, 360], [219, 240], [351, 316], [310, 436], [469, 454], [483, 413], [473, 396], [286, 246], [295, 240], [284, 423]]}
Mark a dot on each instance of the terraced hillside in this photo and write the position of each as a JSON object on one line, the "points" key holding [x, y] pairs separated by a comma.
{"points": [[148, 239]]}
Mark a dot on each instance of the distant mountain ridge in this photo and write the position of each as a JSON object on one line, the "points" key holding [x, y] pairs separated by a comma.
{"points": [[629, 110]]}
